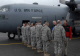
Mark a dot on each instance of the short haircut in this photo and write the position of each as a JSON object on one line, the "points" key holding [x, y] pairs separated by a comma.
{"points": [[58, 21], [66, 20], [39, 21], [46, 22], [54, 21], [28, 23], [33, 24]]}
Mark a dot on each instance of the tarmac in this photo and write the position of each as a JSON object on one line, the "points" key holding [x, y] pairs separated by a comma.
{"points": [[16, 48]]}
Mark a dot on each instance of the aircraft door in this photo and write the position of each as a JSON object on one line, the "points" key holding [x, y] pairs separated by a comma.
{"points": [[25, 21]]}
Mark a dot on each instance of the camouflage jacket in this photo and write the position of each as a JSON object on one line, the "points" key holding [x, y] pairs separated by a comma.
{"points": [[46, 33], [59, 33]]}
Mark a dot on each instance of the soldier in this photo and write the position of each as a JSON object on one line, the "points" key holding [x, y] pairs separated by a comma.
{"points": [[46, 37], [59, 39], [38, 36], [23, 32], [33, 36], [19, 31], [54, 24], [43, 25], [31, 24], [28, 35]]}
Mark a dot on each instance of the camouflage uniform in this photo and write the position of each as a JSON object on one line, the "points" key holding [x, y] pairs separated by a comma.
{"points": [[59, 38], [33, 36], [38, 36], [23, 32], [46, 36], [18, 32], [28, 34]]}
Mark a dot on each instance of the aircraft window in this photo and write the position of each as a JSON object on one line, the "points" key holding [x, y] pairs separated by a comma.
{"points": [[2, 16]]}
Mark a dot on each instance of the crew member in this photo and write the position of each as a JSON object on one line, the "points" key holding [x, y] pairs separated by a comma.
{"points": [[19, 32], [68, 30], [38, 36], [59, 39], [46, 37], [33, 36], [28, 35], [23, 32]]}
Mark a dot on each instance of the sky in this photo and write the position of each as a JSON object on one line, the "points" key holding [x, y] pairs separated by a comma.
{"points": [[40, 2]]}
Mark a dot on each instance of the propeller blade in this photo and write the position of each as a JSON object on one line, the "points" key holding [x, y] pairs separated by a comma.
{"points": [[72, 0], [78, 6], [68, 16], [77, 1]]}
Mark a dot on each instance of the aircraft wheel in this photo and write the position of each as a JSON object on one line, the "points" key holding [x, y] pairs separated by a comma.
{"points": [[11, 35]]}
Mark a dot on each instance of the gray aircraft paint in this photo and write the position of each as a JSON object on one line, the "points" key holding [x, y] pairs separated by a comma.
{"points": [[16, 14]]}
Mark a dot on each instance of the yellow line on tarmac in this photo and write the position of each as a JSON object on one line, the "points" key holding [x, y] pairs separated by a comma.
{"points": [[4, 44], [11, 44], [15, 43], [76, 38]]}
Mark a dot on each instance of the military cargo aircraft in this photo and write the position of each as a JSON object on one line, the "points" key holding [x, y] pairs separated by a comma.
{"points": [[13, 15]]}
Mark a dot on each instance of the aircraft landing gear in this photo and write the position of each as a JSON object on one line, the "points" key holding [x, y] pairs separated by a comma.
{"points": [[11, 35]]}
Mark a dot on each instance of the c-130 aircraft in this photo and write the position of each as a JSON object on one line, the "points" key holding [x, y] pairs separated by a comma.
{"points": [[13, 15]]}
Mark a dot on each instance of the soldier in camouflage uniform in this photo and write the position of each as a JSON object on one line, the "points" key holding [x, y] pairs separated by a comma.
{"points": [[31, 24], [59, 39], [33, 36], [19, 32], [23, 32], [46, 37], [28, 35], [38, 36]]}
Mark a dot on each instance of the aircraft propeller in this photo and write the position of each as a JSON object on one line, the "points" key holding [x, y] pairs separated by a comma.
{"points": [[74, 5]]}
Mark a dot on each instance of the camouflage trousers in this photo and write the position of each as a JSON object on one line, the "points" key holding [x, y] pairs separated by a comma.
{"points": [[18, 32], [28, 40], [24, 39], [46, 46], [39, 43], [33, 41], [66, 46], [58, 48]]}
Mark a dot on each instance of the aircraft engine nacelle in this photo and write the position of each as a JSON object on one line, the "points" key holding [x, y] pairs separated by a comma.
{"points": [[72, 4]]}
